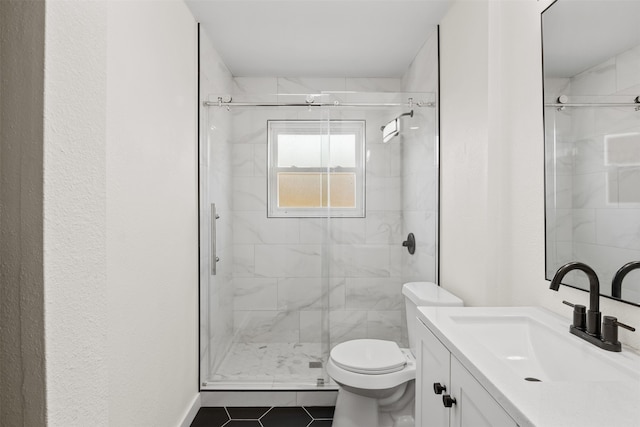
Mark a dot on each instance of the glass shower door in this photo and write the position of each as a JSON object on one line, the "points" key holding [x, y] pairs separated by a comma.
{"points": [[265, 306]]}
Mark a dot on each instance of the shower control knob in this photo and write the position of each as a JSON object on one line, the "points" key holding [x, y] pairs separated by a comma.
{"points": [[439, 388], [448, 401]]}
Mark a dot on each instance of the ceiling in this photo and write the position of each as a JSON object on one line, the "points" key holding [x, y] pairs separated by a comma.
{"points": [[580, 34], [318, 38]]}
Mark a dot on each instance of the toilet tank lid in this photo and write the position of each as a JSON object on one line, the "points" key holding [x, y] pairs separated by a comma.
{"points": [[429, 294]]}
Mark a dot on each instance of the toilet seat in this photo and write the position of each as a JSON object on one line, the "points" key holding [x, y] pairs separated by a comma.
{"points": [[370, 381], [368, 356]]}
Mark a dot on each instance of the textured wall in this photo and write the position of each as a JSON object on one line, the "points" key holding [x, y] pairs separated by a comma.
{"points": [[22, 373], [120, 192], [151, 213], [75, 213]]}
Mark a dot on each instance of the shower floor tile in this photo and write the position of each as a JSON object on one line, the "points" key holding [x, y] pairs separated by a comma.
{"points": [[270, 363]]}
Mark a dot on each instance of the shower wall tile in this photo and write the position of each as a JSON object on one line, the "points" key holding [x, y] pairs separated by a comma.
{"points": [[384, 193], [242, 160], [373, 85], [347, 325], [369, 261], [583, 224], [312, 230], [255, 294], [256, 228], [365, 254], [260, 160], [591, 190], [302, 293], [374, 294], [255, 89], [266, 326], [250, 194], [288, 260], [305, 86], [421, 265], [384, 227], [337, 295], [397, 254], [598, 80], [250, 126], [384, 325], [383, 160], [618, 228], [310, 326], [359, 260], [418, 153], [418, 190], [347, 230], [629, 187], [310, 293], [422, 224], [243, 261]]}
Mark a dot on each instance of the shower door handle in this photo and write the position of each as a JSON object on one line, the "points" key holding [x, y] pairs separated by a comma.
{"points": [[214, 257]]}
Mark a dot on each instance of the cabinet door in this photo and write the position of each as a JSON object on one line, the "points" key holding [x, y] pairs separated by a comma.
{"points": [[433, 360], [474, 406]]}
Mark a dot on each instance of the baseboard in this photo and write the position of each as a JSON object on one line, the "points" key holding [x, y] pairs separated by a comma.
{"points": [[192, 412]]}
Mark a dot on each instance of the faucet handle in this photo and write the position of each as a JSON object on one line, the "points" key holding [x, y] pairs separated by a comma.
{"points": [[579, 315], [610, 329]]}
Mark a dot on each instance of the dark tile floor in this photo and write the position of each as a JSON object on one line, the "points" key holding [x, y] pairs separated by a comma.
{"points": [[279, 416]]}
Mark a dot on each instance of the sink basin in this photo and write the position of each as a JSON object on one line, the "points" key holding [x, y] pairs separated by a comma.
{"points": [[534, 351], [541, 374]]}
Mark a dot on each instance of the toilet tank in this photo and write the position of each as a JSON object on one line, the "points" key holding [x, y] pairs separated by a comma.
{"points": [[418, 294]]}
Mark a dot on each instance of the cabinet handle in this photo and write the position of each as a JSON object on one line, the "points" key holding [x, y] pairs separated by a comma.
{"points": [[439, 388], [448, 401]]}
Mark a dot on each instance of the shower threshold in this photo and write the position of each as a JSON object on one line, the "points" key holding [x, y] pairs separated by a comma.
{"points": [[271, 366]]}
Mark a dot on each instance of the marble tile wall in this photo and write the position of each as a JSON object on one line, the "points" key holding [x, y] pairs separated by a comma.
{"points": [[216, 292], [598, 217], [287, 271]]}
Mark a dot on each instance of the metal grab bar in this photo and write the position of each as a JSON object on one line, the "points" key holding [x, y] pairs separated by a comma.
{"points": [[214, 258]]}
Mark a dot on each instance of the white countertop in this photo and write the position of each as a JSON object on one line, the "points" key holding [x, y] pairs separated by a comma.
{"points": [[601, 403]]}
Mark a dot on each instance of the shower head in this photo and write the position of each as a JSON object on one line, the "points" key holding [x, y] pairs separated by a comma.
{"points": [[392, 129]]}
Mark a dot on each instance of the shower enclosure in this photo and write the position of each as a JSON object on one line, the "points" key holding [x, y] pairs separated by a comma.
{"points": [[303, 212]]}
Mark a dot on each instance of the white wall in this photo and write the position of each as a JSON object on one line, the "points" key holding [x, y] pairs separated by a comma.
{"points": [[120, 192], [151, 212], [491, 74], [22, 377]]}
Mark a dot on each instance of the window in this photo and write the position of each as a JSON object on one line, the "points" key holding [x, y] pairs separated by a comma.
{"points": [[315, 166]]}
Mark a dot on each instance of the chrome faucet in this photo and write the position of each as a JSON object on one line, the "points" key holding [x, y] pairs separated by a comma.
{"points": [[616, 285], [592, 332], [593, 314]]}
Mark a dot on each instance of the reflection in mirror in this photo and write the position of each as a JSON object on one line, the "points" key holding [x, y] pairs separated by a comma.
{"points": [[591, 57]]}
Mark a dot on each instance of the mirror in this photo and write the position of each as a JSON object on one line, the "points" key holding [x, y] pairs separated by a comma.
{"points": [[591, 71]]}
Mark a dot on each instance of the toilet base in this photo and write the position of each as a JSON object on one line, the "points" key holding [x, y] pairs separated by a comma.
{"points": [[355, 409]]}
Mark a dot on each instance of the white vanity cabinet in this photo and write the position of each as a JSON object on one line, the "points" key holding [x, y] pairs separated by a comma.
{"points": [[439, 370]]}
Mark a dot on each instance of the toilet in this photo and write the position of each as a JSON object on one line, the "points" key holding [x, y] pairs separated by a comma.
{"points": [[376, 378]]}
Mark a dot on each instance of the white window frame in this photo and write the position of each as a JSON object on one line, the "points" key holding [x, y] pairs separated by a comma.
{"points": [[323, 128]]}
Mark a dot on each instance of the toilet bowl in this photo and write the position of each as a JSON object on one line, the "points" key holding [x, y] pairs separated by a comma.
{"points": [[376, 378]]}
